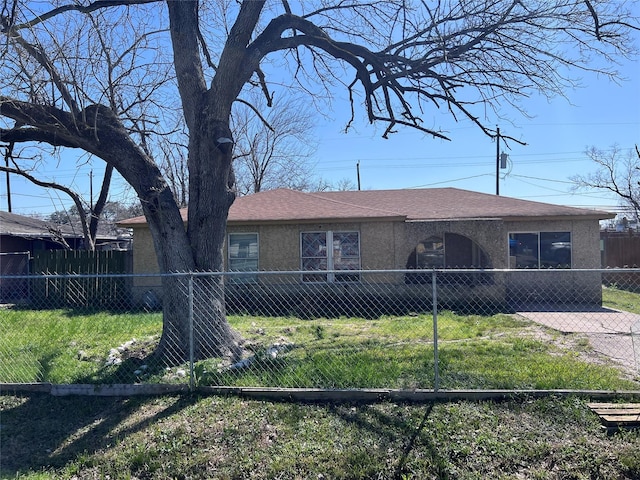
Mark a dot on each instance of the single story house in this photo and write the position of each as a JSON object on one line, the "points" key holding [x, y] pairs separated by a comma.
{"points": [[332, 236]]}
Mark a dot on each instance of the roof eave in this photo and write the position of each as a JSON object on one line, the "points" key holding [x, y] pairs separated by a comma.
{"points": [[595, 216], [308, 221]]}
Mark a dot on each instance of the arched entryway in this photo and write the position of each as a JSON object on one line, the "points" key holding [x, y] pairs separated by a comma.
{"points": [[447, 250]]}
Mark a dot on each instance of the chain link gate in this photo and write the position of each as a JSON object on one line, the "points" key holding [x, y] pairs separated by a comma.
{"points": [[406, 330]]}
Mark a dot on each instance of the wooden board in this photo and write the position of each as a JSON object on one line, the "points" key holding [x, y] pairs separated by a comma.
{"points": [[615, 416]]}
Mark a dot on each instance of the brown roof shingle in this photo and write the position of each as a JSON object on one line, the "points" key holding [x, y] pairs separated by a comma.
{"points": [[287, 206]]}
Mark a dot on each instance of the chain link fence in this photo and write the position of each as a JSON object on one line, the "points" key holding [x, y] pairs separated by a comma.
{"points": [[440, 329]]}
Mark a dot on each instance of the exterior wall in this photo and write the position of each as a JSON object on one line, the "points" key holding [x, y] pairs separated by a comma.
{"points": [[144, 255], [566, 286], [387, 246], [279, 245], [10, 244], [145, 290]]}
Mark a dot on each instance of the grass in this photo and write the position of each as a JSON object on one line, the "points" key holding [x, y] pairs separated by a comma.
{"points": [[198, 437], [621, 299], [65, 346], [475, 351]]}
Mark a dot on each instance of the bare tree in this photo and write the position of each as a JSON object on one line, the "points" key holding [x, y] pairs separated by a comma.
{"points": [[80, 74], [170, 152], [112, 213], [274, 151], [618, 171]]}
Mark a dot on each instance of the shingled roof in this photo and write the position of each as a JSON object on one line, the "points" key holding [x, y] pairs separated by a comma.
{"points": [[20, 226], [434, 204]]}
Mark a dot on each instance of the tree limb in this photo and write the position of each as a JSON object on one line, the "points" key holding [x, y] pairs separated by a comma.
{"points": [[56, 186], [92, 7], [264, 121], [97, 208], [596, 20], [183, 19]]}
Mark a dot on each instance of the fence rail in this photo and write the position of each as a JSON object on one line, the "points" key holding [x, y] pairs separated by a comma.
{"points": [[404, 329]]}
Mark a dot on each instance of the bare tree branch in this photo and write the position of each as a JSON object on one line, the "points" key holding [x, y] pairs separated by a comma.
{"points": [[617, 171], [77, 200], [92, 7]]}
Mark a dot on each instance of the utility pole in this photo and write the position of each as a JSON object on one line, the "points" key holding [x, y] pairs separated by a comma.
{"points": [[6, 160], [501, 160], [358, 171], [497, 160]]}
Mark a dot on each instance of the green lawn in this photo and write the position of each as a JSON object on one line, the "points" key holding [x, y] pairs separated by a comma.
{"points": [[199, 437], [475, 351], [226, 437], [621, 299]]}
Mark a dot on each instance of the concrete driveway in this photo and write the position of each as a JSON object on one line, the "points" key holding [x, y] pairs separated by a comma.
{"points": [[613, 333]]}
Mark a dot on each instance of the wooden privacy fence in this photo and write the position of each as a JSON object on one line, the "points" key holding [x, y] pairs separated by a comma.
{"points": [[621, 250], [90, 289]]}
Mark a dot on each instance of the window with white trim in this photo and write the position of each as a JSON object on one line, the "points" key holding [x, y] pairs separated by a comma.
{"points": [[326, 251], [540, 250], [243, 256]]}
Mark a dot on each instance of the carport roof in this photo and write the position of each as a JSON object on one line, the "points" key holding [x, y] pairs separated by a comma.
{"points": [[434, 204]]}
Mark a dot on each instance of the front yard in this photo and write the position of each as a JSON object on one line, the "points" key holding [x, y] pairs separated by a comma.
{"points": [[499, 351]]}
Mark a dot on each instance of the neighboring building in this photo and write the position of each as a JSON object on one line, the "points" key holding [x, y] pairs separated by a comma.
{"points": [[20, 239], [26, 234], [27, 246], [332, 234]]}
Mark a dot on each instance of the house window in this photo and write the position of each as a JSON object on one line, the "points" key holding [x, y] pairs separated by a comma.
{"points": [[322, 251], [243, 256], [540, 250]]}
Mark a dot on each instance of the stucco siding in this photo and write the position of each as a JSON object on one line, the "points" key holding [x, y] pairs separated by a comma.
{"points": [[378, 245], [388, 245]]}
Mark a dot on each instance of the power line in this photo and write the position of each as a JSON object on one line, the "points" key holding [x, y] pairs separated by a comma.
{"points": [[451, 181], [543, 179], [522, 159]]}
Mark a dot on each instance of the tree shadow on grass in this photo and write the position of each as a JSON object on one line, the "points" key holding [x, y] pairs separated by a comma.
{"points": [[41, 431], [130, 371], [407, 433]]}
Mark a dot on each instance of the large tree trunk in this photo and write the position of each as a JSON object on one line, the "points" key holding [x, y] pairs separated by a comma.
{"points": [[210, 197], [211, 193], [207, 112], [188, 300], [196, 301], [191, 301]]}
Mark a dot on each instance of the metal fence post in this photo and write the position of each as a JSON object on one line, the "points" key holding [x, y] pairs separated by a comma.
{"points": [[191, 351], [436, 385]]}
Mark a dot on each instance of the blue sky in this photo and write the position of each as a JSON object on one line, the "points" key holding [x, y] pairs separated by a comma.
{"points": [[601, 114], [558, 132]]}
